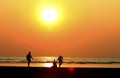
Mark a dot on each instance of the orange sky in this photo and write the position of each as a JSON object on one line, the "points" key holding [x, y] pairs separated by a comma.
{"points": [[85, 28]]}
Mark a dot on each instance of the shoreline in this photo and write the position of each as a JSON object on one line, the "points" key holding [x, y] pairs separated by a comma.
{"points": [[63, 65]]}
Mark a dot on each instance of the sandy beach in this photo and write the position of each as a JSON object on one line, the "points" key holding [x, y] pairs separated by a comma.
{"points": [[64, 72]]}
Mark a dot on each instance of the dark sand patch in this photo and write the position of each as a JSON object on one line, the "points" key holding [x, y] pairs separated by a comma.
{"points": [[43, 72]]}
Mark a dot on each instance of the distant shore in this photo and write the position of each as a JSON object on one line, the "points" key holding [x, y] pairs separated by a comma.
{"points": [[64, 72]]}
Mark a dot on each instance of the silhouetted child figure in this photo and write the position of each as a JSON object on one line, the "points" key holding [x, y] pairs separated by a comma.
{"points": [[54, 64], [60, 60], [28, 58]]}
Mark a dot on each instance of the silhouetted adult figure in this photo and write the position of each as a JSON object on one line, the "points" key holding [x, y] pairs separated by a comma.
{"points": [[60, 60], [28, 58]]}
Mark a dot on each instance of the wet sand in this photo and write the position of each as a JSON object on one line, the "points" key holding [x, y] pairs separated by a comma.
{"points": [[65, 65], [64, 72]]}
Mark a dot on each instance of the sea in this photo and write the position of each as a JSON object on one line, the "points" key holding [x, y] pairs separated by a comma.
{"points": [[67, 62]]}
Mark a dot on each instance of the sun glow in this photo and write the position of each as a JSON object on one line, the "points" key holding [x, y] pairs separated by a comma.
{"points": [[49, 15], [48, 64]]}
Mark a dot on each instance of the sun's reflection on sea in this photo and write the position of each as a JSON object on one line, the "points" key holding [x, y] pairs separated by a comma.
{"points": [[48, 64], [41, 65], [64, 65]]}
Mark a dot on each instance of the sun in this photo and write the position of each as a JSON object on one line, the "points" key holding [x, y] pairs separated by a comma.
{"points": [[49, 15]]}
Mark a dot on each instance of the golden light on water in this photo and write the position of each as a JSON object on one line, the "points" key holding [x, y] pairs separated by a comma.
{"points": [[48, 64]]}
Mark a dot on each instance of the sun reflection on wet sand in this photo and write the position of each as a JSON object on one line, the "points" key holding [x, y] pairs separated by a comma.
{"points": [[63, 65], [48, 64], [25, 64]]}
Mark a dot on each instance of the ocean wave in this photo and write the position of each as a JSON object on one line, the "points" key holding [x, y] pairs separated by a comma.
{"points": [[63, 62], [67, 60]]}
